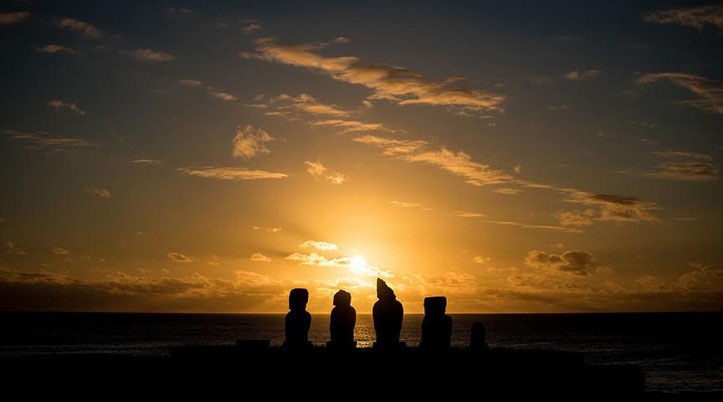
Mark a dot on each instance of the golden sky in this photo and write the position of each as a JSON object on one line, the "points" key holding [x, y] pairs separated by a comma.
{"points": [[210, 157]]}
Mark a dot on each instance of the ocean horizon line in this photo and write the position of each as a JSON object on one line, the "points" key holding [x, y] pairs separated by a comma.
{"points": [[361, 313]]}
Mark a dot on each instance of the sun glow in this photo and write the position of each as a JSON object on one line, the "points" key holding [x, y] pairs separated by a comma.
{"points": [[358, 264]]}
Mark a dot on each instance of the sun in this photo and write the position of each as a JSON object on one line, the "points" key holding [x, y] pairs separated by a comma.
{"points": [[358, 264]]}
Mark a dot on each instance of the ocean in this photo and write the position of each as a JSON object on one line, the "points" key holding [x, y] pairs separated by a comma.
{"points": [[679, 352]]}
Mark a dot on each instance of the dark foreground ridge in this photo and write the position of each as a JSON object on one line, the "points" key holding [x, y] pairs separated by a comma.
{"points": [[391, 368], [339, 370], [415, 370]]}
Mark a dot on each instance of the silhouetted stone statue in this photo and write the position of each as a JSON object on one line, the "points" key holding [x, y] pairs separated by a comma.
{"points": [[479, 338], [388, 314], [343, 319], [436, 325], [298, 320]]}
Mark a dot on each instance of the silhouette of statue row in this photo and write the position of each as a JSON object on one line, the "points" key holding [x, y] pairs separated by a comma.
{"points": [[387, 313]]}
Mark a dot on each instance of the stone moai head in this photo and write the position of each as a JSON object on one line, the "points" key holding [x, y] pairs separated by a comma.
{"points": [[435, 306], [298, 298], [384, 292], [342, 298]]}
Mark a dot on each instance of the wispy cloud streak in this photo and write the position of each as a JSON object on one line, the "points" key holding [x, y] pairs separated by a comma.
{"points": [[399, 85], [709, 91], [697, 17], [231, 173]]}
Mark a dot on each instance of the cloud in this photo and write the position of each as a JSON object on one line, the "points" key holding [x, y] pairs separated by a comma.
{"points": [[213, 261], [551, 227], [615, 208], [52, 48], [461, 164], [686, 171], [280, 114], [44, 139], [250, 28], [507, 191], [703, 278], [336, 178], [686, 166], [266, 229], [149, 55], [650, 283], [349, 125], [100, 192], [697, 17], [307, 104], [407, 87], [612, 208], [577, 262], [405, 204], [481, 260], [527, 289], [59, 251], [146, 162], [682, 155], [449, 283], [318, 108], [338, 39], [315, 169], [579, 75], [258, 257], [43, 290], [178, 257], [190, 83], [318, 171], [319, 260], [399, 85], [249, 142], [391, 146], [709, 92], [231, 173], [536, 227], [576, 218], [319, 245], [298, 55], [466, 214], [223, 95], [508, 290], [13, 17], [12, 248], [62, 105], [88, 30]]}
